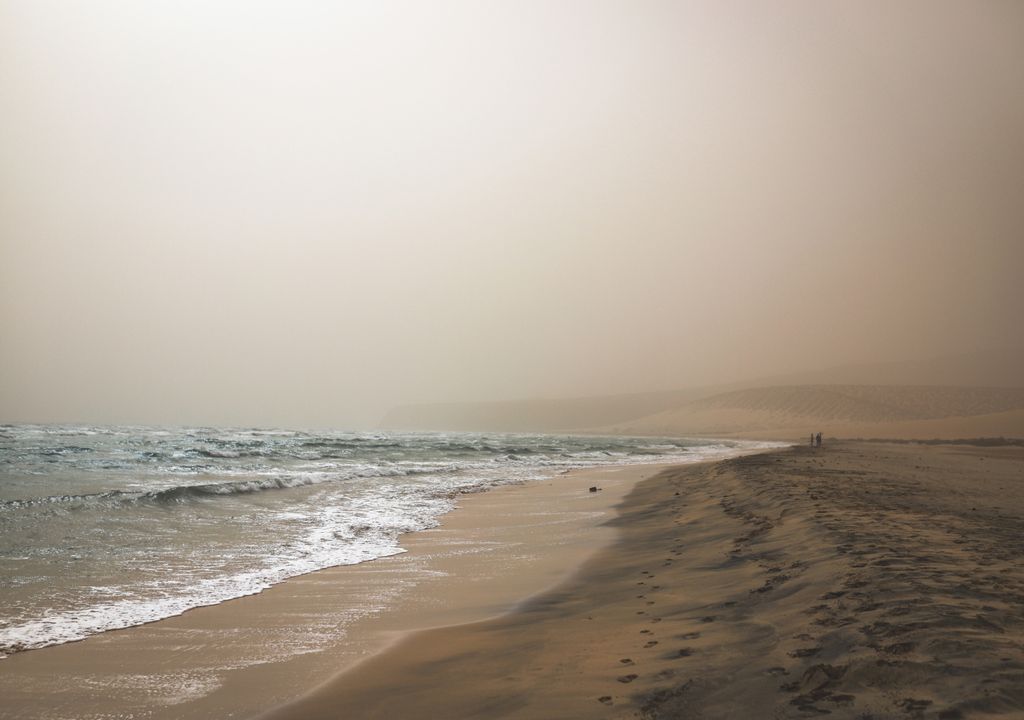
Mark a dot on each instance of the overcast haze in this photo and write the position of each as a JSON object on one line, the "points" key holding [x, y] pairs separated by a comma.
{"points": [[303, 213]]}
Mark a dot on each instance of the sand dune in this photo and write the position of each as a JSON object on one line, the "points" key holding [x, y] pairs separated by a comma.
{"points": [[788, 411], [968, 385], [845, 410], [537, 415], [871, 403], [990, 368]]}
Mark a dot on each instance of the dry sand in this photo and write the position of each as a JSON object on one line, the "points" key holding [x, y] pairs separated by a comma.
{"points": [[861, 580]]}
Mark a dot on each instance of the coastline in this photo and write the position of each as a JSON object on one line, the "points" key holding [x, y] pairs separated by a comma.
{"points": [[238, 658], [859, 580], [863, 579]]}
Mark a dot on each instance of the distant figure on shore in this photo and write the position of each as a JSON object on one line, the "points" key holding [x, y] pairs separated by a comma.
{"points": [[812, 439], [817, 440]]}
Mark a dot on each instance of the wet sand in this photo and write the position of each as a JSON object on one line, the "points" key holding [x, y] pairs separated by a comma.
{"points": [[859, 580], [236, 659]]}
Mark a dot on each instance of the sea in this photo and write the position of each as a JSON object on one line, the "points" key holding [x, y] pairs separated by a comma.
{"points": [[107, 527]]}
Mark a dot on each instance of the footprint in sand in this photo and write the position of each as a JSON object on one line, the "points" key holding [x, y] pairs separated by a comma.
{"points": [[627, 678], [805, 652], [899, 648], [605, 699], [914, 706], [650, 643]]}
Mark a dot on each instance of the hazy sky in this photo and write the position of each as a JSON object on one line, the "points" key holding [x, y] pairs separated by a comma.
{"points": [[301, 213]]}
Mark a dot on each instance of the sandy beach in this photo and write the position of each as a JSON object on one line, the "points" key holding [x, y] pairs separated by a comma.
{"points": [[238, 658], [859, 580], [459, 360]]}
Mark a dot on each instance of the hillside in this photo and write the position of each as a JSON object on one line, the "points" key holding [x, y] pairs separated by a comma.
{"points": [[895, 411], [989, 368], [899, 395], [543, 415]]}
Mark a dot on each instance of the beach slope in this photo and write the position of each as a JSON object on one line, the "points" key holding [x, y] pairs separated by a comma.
{"points": [[858, 580]]}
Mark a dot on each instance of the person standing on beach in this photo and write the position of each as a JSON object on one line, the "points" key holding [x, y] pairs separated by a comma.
{"points": [[812, 439], [818, 440]]}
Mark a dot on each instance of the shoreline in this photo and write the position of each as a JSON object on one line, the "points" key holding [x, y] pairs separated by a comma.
{"points": [[239, 657], [858, 580]]}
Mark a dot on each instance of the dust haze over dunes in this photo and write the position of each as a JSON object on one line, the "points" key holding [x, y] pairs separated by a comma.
{"points": [[869, 403], [303, 214], [774, 406], [892, 411], [242, 241]]}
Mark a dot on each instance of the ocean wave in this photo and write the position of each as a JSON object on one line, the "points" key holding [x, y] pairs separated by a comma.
{"points": [[178, 494], [135, 524], [68, 626]]}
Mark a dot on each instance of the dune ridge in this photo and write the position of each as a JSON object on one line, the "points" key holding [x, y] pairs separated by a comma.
{"points": [[787, 411], [970, 385], [893, 411], [536, 415], [871, 403]]}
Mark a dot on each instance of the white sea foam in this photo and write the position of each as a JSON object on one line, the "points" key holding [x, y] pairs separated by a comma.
{"points": [[105, 528]]}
